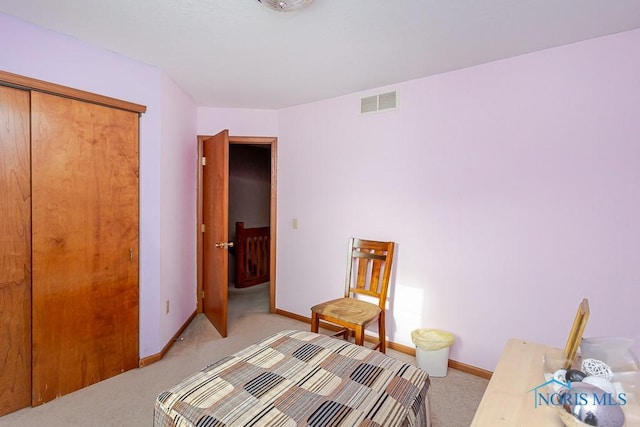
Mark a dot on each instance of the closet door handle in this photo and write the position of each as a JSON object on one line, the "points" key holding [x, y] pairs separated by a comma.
{"points": [[130, 254]]}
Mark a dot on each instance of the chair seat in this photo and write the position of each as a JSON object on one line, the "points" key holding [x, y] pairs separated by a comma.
{"points": [[350, 310]]}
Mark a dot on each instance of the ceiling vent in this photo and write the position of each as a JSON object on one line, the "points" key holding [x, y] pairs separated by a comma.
{"points": [[382, 102]]}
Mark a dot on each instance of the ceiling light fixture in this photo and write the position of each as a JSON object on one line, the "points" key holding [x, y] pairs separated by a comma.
{"points": [[286, 5]]}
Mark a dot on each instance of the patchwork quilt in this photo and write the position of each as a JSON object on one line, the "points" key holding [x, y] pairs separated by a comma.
{"points": [[299, 378]]}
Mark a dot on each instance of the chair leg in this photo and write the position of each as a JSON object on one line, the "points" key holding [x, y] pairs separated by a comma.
{"points": [[314, 322], [359, 339], [382, 334]]}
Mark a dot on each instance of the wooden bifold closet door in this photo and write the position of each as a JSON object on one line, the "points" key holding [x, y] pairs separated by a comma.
{"points": [[15, 251], [69, 297], [84, 180]]}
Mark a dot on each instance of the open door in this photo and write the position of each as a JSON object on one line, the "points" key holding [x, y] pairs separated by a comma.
{"points": [[213, 224], [215, 236]]}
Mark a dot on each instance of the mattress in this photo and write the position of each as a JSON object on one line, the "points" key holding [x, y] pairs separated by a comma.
{"points": [[299, 378]]}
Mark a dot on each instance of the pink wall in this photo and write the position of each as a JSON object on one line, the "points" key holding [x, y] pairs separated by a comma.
{"points": [[249, 186], [178, 211], [38, 53], [511, 189]]}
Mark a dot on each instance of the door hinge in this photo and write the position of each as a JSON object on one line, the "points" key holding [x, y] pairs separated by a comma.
{"points": [[202, 294], [204, 161], [202, 227]]}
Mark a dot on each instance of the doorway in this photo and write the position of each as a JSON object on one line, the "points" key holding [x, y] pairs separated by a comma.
{"points": [[255, 149], [249, 212]]}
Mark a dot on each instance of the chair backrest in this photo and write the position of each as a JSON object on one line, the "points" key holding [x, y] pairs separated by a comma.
{"points": [[369, 269]]}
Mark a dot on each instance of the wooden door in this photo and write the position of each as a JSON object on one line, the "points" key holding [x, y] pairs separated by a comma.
{"points": [[15, 251], [215, 217], [85, 244]]}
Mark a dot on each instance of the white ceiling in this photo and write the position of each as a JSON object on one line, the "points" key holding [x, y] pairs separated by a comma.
{"points": [[238, 53]]}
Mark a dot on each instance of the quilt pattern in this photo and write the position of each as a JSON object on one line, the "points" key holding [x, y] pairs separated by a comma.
{"points": [[299, 378]]}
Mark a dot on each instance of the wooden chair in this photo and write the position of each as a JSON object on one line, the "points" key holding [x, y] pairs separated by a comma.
{"points": [[368, 272]]}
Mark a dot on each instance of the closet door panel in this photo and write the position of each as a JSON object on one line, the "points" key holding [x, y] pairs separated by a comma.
{"points": [[15, 251], [85, 244]]}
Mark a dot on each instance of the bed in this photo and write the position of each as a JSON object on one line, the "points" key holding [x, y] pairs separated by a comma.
{"points": [[299, 378], [252, 255]]}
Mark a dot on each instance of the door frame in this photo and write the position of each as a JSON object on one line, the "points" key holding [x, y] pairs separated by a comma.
{"points": [[239, 140]]}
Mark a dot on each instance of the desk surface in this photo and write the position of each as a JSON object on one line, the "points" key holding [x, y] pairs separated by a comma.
{"points": [[509, 401]]}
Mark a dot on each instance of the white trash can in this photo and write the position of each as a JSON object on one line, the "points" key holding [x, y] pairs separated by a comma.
{"points": [[432, 350]]}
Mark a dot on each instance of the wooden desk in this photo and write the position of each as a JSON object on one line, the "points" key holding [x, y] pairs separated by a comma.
{"points": [[509, 401]]}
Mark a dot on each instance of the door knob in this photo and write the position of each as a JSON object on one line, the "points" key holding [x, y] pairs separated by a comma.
{"points": [[223, 245]]}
